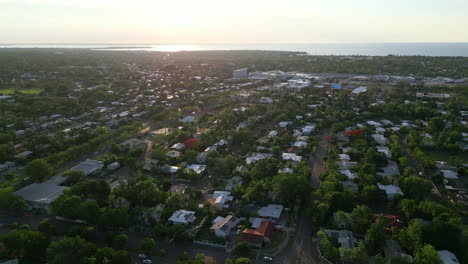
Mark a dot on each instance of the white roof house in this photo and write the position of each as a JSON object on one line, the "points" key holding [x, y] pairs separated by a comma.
{"points": [[291, 156], [224, 226], [385, 150], [222, 199], [448, 174], [41, 195], [308, 129], [286, 170], [298, 83], [300, 144], [447, 257], [257, 156], [284, 124], [188, 119], [345, 238], [380, 139], [344, 157], [374, 123], [359, 90], [113, 166], [272, 211], [178, 146], [272, 134], [182, 217], [197, 168], [23, 154], [350, 174], [390, 190], [89, 167]]}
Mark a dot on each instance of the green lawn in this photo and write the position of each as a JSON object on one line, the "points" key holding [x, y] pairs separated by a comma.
{"points": [[446, 155], [206, 235], [276, 239], [24, 91]]}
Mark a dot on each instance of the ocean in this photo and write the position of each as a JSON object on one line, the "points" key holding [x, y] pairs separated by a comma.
{"points": [[364, 49]]}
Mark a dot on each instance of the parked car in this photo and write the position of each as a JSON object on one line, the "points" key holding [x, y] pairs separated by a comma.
{"points": [[267, 259], [142, 256], [147, 261]]}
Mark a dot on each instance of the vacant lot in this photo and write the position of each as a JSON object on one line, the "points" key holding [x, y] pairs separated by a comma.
{"points": [[24, 91], [446, 155]]}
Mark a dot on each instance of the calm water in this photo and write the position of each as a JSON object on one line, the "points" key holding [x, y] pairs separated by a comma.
{"points": [[373, 49]]}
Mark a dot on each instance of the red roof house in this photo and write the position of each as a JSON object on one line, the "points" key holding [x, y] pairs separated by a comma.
{"points": [[191, 143], [392, 221], [354, 133], [257, 236]]}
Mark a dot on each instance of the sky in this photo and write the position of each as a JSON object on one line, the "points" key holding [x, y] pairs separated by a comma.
{"points": [[239, 21]]}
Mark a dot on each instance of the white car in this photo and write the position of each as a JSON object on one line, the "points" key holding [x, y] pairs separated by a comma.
{"points": [[142, 256], [267, 259], [147, 261]]}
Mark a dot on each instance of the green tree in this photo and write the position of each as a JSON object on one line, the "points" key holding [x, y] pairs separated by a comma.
{"points": [[361, 215], [73, 176], [241, 249], [89, 211], [120, 241], [427, 255], [147, 245], [114, 217], [411, 237], [70, 250], [243, 261], [38, 170], [9, 201], [436, 125], [375, 236], [26, 244], [264, 169], [190, 156], [285, 182], [416, 187]]}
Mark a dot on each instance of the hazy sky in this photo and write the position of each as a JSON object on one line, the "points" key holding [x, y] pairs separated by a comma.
{"points": [[238, 21]]}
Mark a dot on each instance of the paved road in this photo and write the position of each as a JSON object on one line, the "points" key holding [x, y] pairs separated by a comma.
{"points": [[303, 249]]}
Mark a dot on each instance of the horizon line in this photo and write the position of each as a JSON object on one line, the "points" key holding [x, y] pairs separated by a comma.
{"points": [[255, 43]]}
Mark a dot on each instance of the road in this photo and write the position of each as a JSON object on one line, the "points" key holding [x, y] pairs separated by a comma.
{"points": [[303, 249]]}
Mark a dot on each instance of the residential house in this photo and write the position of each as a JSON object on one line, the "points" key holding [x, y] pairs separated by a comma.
{"points": [[197, 168], [188, 119], [345, 238], [233, 182], [222, 199], [447, 257], [178, 146], [271, 211], [89, 167], [259, 236], [182, 217], [385, 150], [225, 226], [134, 143], [256, 156], [393, 250], [390, 190], [41, 195], [380, 139], [449, 174], [350, 174]]}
